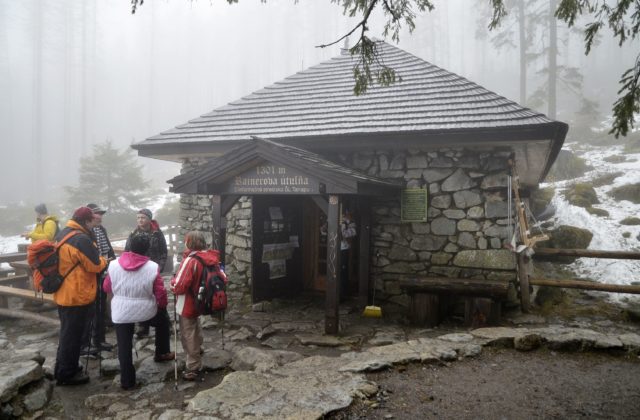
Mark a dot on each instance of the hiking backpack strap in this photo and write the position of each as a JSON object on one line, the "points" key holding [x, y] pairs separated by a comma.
{"points": [[61, 242]]}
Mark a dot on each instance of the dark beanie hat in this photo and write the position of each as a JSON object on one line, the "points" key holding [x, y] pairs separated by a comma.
{"points": [[41, 209], [82, 215], [146, 212]]}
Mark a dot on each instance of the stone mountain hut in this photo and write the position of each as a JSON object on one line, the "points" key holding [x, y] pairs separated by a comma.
{"points": [[423, 166]]}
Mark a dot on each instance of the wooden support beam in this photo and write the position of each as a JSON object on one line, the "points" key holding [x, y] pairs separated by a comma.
{"points": [[364, 249], [331, 320], [523, 277], [587, 253], [216, 222], [321, 202], [586, 285]]}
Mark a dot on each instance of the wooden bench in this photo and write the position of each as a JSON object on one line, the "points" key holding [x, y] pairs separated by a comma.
{"points": [[482, 299]]}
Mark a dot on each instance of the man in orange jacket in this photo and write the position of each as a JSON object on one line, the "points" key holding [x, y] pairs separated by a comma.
{"points": [[80, 258]]}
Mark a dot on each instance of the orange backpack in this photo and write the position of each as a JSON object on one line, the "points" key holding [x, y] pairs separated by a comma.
{"points": [[42, 257]]}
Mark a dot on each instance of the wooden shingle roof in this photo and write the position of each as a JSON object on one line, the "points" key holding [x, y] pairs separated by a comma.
{"points": [[316, 109], [319, 101]]}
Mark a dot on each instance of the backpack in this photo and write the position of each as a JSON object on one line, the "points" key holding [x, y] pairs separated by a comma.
{"points": [[43, 259], [212, 289]]}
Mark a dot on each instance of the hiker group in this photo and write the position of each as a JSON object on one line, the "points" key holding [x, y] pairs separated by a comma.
{"points": [[78, 265]]}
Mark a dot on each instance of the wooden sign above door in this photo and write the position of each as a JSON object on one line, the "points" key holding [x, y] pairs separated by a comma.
{"points": [[270, 178]]}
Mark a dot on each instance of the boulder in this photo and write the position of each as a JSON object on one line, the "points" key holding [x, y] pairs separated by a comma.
{"points": [[581, 195], [16, 374], [566, 237], [567, 166]]}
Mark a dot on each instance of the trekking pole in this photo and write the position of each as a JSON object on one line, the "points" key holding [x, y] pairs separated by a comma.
{"points": [[175, 342], [86, 359], [99, 335]]}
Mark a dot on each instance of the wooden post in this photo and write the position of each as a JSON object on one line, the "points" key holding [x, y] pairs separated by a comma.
{"points": [[364, 257], [216, 223], [523, 276], [331, 321], [425, 309]]}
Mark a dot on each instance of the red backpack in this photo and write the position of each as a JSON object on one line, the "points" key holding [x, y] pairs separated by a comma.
{"points": [[43, 259], [212, 294]]}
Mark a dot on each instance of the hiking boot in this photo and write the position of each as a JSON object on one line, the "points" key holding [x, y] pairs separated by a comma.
{"points": [[164, 357], [104, 346], [190, 375], [78, 379], [130, 387], [92, 352]]}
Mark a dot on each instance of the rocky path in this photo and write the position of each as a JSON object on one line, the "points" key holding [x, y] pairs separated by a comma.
{"points": [[274, 365]]}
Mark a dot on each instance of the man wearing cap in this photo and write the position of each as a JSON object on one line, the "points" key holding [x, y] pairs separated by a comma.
{"points": [[80, 258], [46, 225], [95, 323], [157, 249]]}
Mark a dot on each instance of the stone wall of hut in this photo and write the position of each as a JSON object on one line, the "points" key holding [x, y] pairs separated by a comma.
{"points": [[465, 234], [468, 217]]}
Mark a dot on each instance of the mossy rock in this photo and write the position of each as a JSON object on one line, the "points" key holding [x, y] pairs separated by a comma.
{"points": [[614, 159], [605, 179], [540, 199], [581, 195], [626, 234], [630, 221], [549, 296], [566, 237], [597, 212], [567, 166], [629, 192]]}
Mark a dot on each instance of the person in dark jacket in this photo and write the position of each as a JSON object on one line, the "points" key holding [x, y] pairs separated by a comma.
{"points": [[93, 339], [157, 252], [138, 295], [81, 260]]}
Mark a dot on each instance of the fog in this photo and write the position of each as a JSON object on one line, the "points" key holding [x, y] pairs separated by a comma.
{"points": [[79, 72]]}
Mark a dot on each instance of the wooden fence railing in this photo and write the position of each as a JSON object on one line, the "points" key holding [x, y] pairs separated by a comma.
{"points": [[526, 280]]}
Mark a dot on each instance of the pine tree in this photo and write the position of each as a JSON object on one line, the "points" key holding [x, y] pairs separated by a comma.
{"points": [[111, 178]]}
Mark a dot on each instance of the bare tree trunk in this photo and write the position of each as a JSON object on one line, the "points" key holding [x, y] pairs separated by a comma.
{"points": [[523, 51], [553, 52], [36, 132]]}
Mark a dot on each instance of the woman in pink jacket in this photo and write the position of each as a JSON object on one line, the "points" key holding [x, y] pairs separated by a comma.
{"points": [[138, 295]]}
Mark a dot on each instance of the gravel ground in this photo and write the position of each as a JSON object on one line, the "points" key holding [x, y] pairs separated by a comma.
{"points": [[506, 384]]}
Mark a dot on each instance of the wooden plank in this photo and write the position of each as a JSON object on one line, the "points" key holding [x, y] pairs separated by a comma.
{"points": [[13, 256], [587, 253], [364, 250], [425, 309], [587, 285], [457, 286], [41, 319], [25, 294], [22, 279], [331, 322], [523, 277]]}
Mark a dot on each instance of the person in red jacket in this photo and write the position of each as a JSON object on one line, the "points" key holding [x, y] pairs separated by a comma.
{"points": [[185, 286]]}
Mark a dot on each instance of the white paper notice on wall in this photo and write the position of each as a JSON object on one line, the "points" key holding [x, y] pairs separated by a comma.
{"points": [[277, 269]]}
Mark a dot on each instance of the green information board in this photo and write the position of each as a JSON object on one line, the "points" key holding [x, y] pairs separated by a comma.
{"points": [[414, 205]]}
